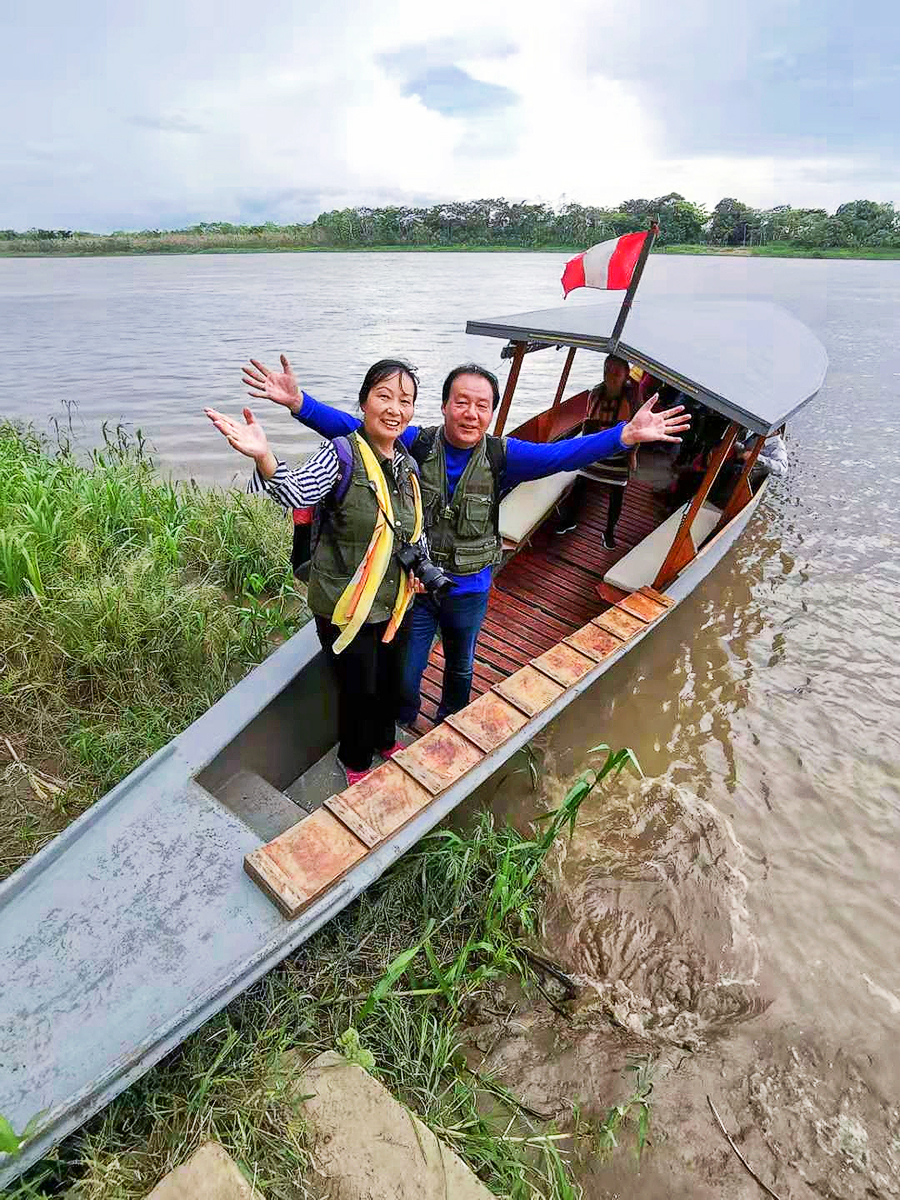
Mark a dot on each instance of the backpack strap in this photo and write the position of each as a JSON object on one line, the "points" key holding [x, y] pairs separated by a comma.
{"points": [[423, 443], [308, 521], [345, 468], [496, 456]]}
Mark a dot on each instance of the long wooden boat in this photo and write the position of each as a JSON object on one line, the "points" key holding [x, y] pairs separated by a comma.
{"points": [[155, 908]]}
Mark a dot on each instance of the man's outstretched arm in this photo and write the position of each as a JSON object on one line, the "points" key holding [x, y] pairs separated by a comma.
{"points": [[534, 460]]}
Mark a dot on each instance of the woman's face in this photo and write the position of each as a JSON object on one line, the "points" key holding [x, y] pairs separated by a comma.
{"points": [[389, 407]]}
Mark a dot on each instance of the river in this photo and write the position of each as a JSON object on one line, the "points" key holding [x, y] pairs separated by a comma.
{"points": [[741, 904]]}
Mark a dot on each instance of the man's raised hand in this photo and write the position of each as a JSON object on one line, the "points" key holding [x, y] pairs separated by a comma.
{"points": [[647, 425], [278, 386]]}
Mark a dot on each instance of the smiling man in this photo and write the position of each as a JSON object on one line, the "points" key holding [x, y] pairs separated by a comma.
{"points": [[464, 473]]}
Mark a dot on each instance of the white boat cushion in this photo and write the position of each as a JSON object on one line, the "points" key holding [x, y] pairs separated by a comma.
{"points": [[640, 566], [523, 509]]}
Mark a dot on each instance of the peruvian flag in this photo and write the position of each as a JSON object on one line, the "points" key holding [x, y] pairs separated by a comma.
{"points": [[608, 265]]}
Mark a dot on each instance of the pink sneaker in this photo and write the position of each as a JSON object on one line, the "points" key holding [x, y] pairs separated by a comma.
{"points": [[354, 776], [386, 754]]}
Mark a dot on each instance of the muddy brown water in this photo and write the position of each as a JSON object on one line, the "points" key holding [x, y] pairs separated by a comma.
{"points": [[737, 913]]}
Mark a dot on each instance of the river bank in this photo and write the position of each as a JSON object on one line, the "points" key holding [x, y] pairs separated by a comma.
{"points": [[174, 244], [128, 605]]}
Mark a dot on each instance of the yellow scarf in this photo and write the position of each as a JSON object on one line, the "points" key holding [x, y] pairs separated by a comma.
{"points": [[357, 598]]}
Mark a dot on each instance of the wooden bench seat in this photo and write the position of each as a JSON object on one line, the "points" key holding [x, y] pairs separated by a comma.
{"points": [[640, 566], [527, 505]]}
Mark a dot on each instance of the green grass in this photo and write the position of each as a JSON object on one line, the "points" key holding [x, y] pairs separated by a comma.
{"points": [[226, 244], [393, 982], [786, 250], [275, 243], [128, 605]]}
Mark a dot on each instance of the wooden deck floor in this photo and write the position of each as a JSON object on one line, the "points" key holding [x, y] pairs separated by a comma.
{"points": [[548, 590]]}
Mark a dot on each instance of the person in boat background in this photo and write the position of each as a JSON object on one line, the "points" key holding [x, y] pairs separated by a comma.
{"points": [[771, 460], [358, 591], [464, 474], [609, 402]]}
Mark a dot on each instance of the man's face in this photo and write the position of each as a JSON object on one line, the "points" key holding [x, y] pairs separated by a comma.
{"points": [[468, 411], [614, 376]]}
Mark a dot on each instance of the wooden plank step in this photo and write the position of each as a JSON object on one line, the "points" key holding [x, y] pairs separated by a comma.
{"points": [[297, 867], [439, 758], [642, 607], [380, 804], [563, 664], [659, 597], [595, 642], [616, 620], [488, 721], [529, 690]]}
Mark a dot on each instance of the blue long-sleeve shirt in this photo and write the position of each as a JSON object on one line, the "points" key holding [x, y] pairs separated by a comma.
{"points": [[524, 460]]}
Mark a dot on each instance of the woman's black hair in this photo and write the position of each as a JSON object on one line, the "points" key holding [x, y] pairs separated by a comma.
{"points": [[471, 369], [384, 369]]}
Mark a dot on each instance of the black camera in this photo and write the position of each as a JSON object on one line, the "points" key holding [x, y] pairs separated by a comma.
{"points": [[432, 578]]}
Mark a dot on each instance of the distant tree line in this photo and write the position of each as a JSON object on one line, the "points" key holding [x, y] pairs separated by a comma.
{"points": [[860, 223]]}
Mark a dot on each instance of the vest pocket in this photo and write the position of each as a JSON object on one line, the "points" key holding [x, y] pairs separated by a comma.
{"points": [[474, 517], [467, 560]]}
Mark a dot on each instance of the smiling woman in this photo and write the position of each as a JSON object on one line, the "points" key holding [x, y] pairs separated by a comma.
{"points": [[368, 508]]}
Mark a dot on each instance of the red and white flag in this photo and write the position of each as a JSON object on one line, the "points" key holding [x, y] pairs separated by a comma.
{"points": [[608, 265]]}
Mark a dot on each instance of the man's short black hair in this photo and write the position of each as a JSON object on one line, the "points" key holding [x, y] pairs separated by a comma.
{"points": [[616, 358], [384, 369], [471, 369]]}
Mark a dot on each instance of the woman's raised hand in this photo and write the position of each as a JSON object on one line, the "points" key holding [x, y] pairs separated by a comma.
{"points": [[279, 387], [249, 439]]}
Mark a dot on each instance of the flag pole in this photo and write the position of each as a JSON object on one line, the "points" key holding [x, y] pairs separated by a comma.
{"points": [[632, 287]]}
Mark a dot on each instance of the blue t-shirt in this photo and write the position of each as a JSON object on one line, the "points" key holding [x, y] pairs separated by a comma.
{"points": [[524, 460]]}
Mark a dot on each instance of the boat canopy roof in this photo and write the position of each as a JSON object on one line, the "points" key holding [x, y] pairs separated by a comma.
{"points": [[749, 360]]}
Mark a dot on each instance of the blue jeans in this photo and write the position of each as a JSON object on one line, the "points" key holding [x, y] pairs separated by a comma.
{"points": [[459, 619]]}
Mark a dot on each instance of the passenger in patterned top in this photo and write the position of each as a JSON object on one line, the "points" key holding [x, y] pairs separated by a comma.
{"points": [[609, 403], [358, 591]]}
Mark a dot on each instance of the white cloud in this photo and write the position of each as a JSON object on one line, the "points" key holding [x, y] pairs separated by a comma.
{"points": [[135, 116]]}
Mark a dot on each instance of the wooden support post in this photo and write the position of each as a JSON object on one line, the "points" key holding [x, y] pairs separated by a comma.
{"points": [[682, 551], [513, 378], [564, 378], [742, 493]]}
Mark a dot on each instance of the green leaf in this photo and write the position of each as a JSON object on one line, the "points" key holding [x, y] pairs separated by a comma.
{"points": [[395, 971], [9, 1139], [643, 1130], [207, 1079]]}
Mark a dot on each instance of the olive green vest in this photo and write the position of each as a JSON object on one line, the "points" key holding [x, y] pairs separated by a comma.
{"points": [[345, 532], [462, 532]]}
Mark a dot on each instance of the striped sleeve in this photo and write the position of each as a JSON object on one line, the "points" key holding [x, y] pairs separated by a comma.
{"points": [[298, 487]]}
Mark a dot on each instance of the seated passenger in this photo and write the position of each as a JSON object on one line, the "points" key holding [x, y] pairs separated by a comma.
{"points": [[609, 403], [771, 460]]}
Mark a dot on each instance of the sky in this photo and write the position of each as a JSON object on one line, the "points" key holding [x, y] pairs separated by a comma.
{"points": [[118, 114]]}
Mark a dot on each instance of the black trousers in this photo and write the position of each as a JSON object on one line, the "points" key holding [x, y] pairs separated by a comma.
{"points": [[570, 508], [368, 674]]}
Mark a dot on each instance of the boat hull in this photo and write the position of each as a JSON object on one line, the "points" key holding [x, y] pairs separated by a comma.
{"points": [[138, 923]]}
